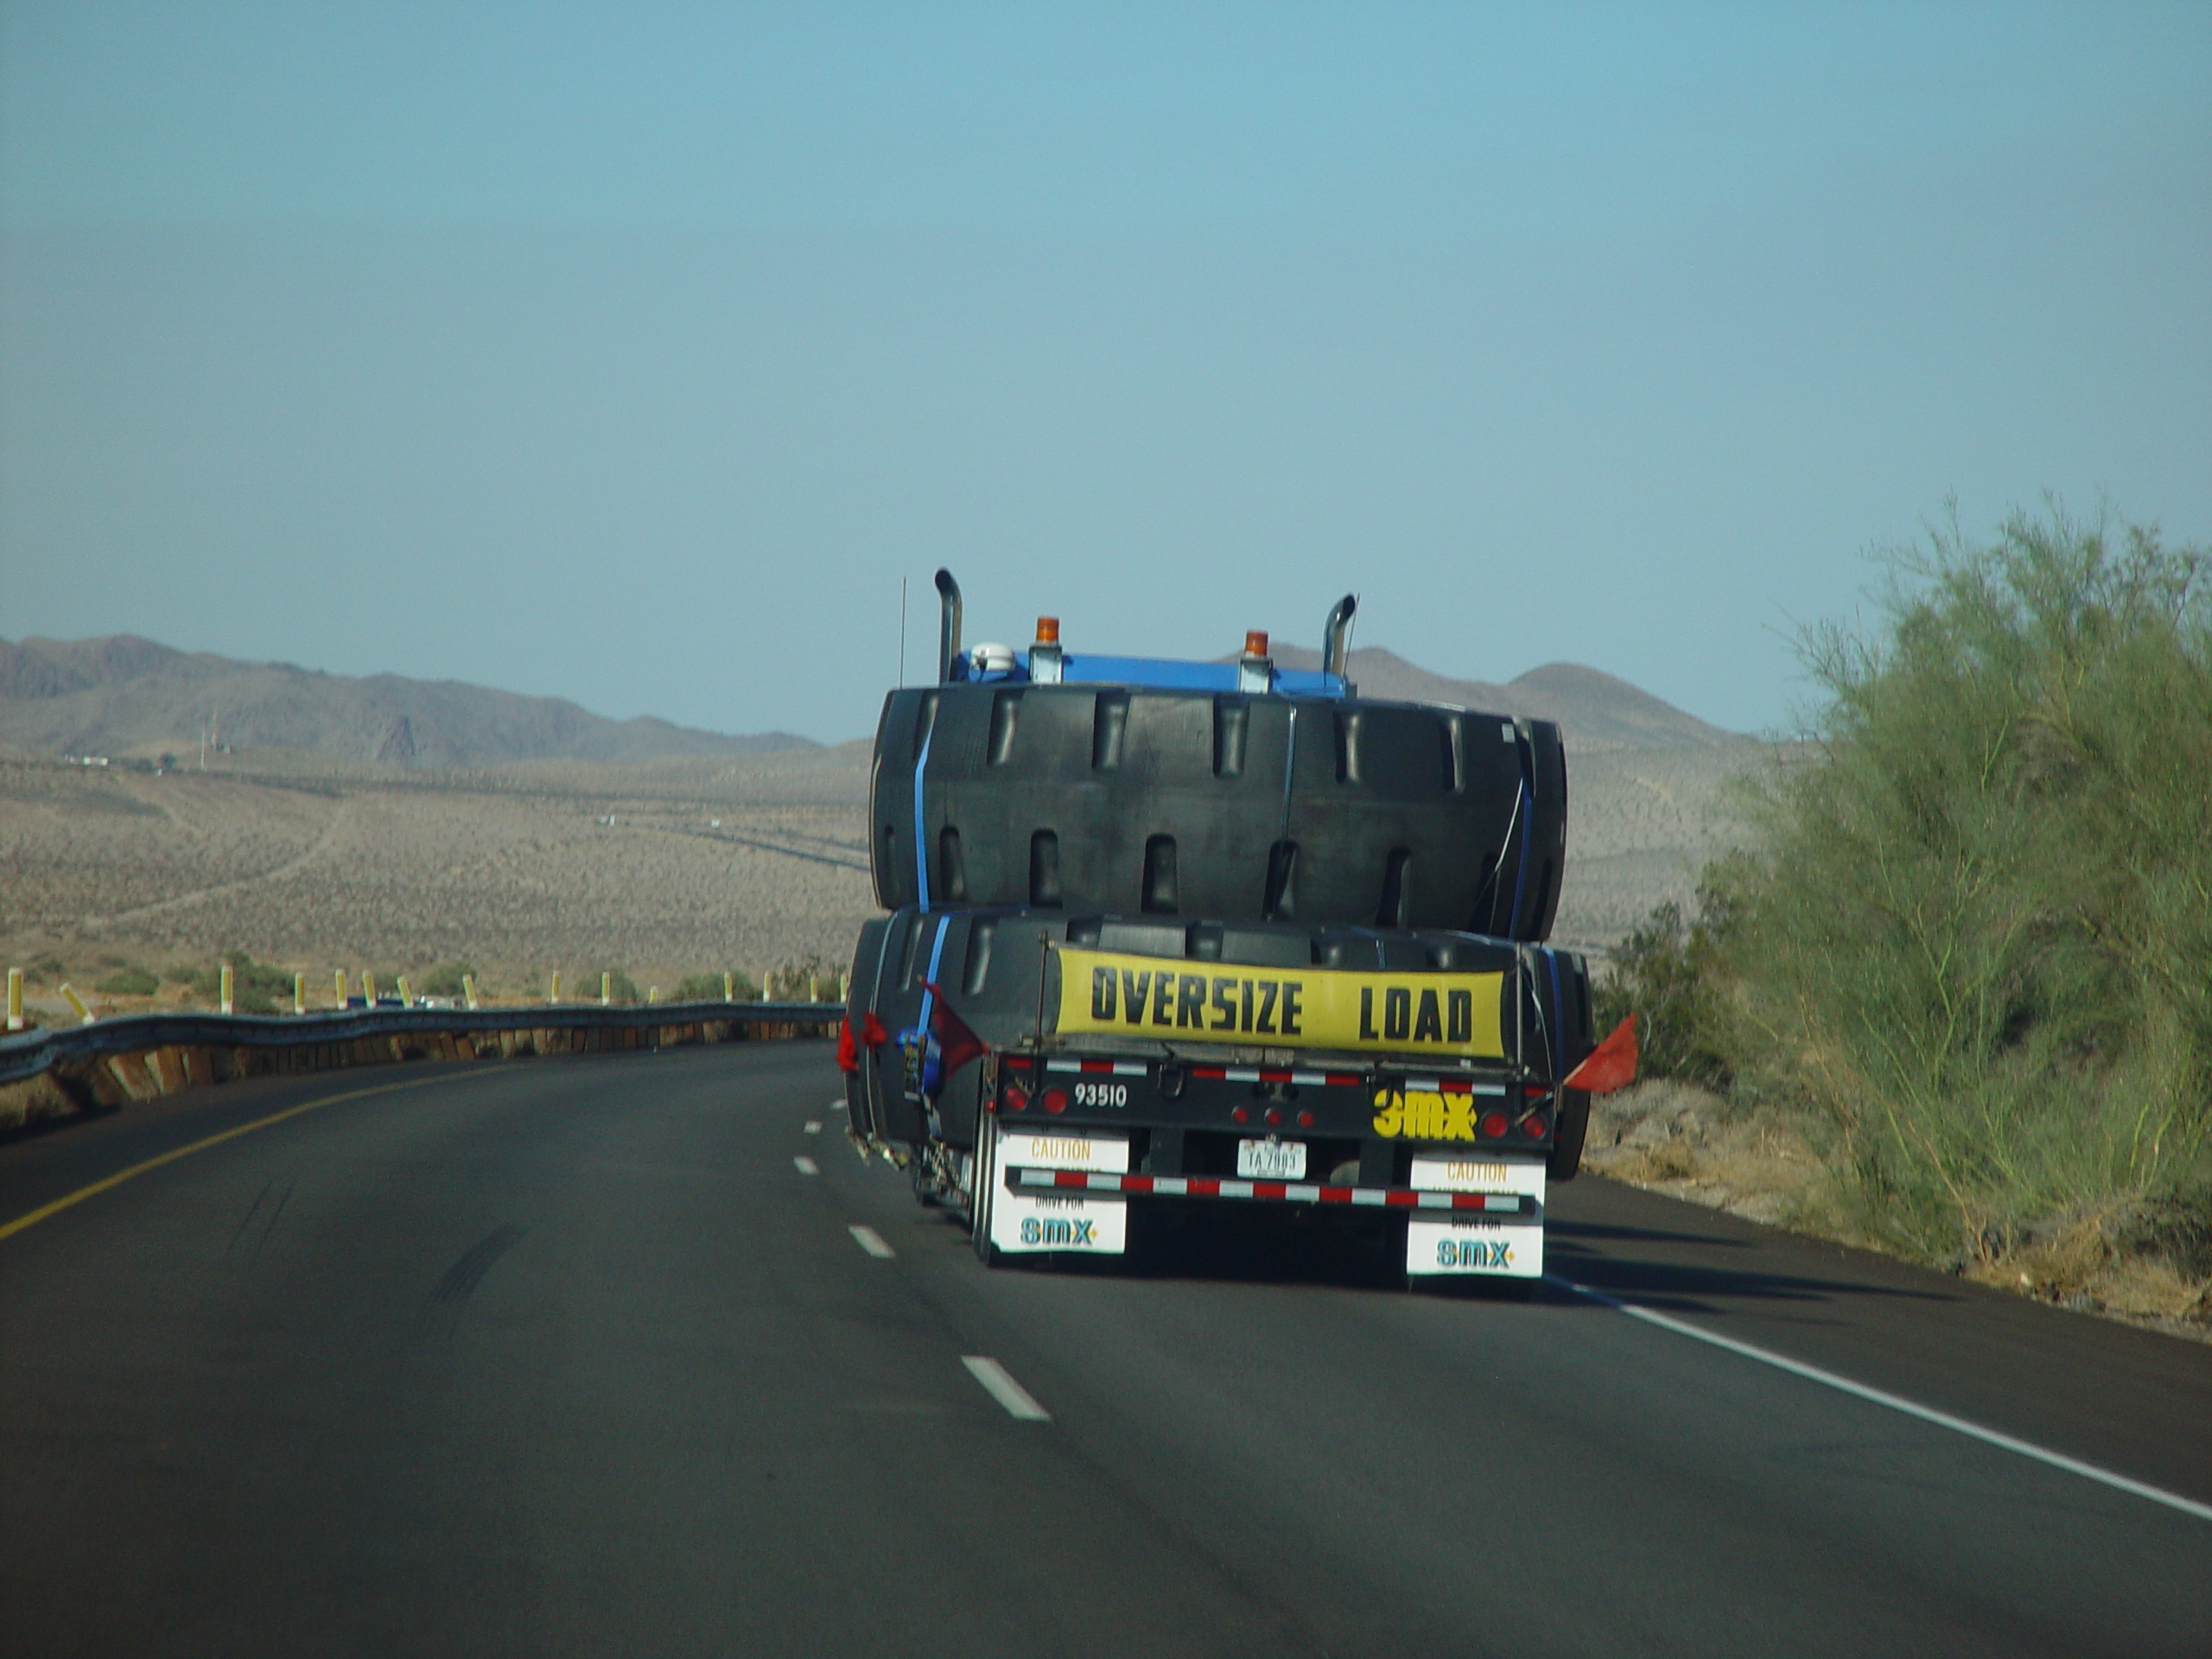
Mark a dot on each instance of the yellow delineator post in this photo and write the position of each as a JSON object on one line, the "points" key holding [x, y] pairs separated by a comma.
{"points": [[556, 997], [338, 979], [653, 993], [605, 987], [729, 986], [84, 1014], [368, 988], [299, 993], [228, 1005], [468, 989], [15, 999], [406, 996]]}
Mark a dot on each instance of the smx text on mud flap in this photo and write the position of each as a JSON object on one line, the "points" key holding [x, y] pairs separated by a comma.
{"points": [[1072, 1232]]}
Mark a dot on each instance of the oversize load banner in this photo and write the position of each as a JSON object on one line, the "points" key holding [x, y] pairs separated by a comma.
{"points": [[1453, 1015]]}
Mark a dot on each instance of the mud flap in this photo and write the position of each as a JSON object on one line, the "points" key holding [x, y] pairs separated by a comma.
{"points": [[1020, 1223], [1498, 1246]]}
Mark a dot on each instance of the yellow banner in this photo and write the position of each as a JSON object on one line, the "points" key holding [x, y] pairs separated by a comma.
{"points": [[1457, 1016]]}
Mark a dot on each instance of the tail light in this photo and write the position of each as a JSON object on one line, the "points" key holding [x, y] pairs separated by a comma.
{"points": [[1053, 1100], [1015, 1097], [1494, 1126], [1533, 1126]]}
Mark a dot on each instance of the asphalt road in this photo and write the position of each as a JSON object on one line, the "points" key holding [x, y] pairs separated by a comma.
{"points": [[580, 1356]]}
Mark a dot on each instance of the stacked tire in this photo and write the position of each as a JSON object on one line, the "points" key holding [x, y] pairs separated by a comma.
{"points": [[1130, 800]]}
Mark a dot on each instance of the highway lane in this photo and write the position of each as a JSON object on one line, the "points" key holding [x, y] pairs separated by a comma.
{"points": [[579, 1357]]}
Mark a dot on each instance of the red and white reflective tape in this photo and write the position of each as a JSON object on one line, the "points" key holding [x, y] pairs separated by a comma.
{"points": [[1255, 1074], [1212, 1187], [1111, 1068]]}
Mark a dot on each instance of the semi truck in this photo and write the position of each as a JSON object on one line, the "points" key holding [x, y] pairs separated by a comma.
{"points": [[1162, 936]]}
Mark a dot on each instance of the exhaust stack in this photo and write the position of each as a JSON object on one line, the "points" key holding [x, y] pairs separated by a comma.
{"points": [[948, 638], [1336, 635]]}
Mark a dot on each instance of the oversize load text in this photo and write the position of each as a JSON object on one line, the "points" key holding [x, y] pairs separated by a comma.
{"points": [[1455, 1014]]}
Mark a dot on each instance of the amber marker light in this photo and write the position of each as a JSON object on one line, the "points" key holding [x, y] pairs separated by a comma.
{"points": [[1048, 630], [1255, 642]]}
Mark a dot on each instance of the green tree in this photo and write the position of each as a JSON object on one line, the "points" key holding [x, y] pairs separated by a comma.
{"points": [[1978, 937]]}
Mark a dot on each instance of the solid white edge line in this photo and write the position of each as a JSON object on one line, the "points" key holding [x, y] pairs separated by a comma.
{"points": [[1897, 1402], [871, 1241], [805, 1167], [1017, 1400]]}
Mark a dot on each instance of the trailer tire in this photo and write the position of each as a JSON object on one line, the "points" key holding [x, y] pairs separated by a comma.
{"points": [[983, 1178]]}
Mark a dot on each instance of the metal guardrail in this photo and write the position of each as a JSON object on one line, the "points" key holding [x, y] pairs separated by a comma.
{"points": [[33, 1051]]}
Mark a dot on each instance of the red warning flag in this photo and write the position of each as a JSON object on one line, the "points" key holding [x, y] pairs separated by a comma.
{"points": [[1609, 1065], [848, 1053], [955, 1044], [872, 1035]]}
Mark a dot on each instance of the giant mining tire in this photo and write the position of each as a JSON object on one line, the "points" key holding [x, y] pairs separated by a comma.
{"points": [[1140, 800]]}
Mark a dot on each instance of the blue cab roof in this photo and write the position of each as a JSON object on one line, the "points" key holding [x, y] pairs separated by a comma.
{"points": [[1089, 668]]}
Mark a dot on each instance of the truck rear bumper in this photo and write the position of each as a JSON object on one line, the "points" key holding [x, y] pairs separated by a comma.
{"points": [[1478, 1217]]}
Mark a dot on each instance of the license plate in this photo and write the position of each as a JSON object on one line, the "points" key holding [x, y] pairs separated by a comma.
{"points": [[1278, 1161]]}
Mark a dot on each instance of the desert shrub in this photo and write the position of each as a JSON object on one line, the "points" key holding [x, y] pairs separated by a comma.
{"points": [[256, 986], [1978, 935], [128, 982], [798, 982], [444, 979], [1668, 973], [708, 987]]}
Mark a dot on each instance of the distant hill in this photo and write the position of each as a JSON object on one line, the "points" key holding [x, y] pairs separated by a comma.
{"points": [[126, 696], [1594, 710]]}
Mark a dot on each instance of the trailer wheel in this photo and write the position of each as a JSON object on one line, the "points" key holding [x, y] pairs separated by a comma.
{"points": [[984, 1180]]}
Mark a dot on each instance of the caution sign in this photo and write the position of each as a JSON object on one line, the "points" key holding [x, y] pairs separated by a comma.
{"points": [[1457, 1016]]}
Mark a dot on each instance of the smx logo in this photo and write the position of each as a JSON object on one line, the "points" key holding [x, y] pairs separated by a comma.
{"points": [[1059, 1230], [1484, 1255]]}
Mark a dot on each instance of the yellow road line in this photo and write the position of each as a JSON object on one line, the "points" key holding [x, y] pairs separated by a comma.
{"points": [[31, 1219]]}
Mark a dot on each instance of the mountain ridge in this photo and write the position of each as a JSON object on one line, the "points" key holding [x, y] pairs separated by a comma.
{"points": [[121, 694], [1595, 710]]}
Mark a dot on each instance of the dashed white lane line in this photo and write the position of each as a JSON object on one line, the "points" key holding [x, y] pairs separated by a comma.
{"points": [[812, 1127], [806, 1165], [871, 1241], [836, 1105], [1017, 1400], [1898, 1403]]}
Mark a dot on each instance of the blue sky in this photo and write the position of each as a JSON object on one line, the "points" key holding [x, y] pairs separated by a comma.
{"points": [[635, 354]]}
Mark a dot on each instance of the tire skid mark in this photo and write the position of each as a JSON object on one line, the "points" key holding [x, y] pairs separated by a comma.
{"points": [[274, 1216], [252, 1210], [466, 1274]]}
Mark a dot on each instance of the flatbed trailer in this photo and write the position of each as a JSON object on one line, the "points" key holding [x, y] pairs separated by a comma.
{"points": [[1433, 1099]]}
